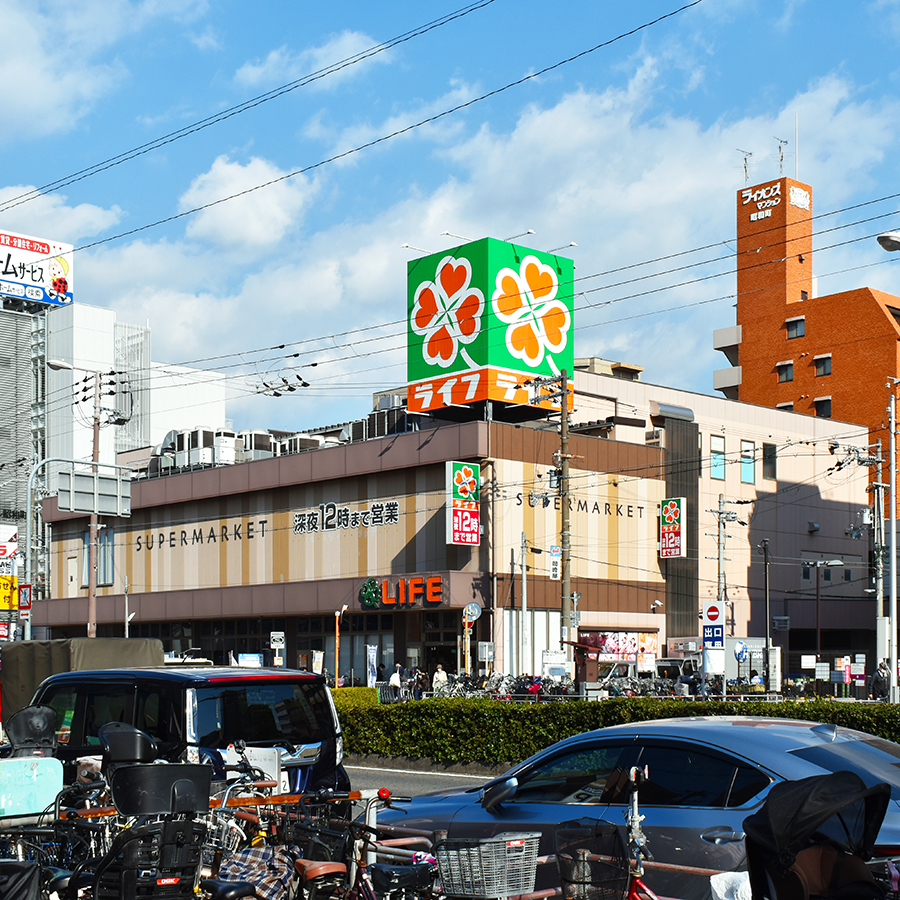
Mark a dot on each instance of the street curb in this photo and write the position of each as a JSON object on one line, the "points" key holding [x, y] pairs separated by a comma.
{"points": [[478, 771]]}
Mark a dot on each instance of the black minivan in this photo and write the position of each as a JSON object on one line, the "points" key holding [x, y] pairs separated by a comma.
{"points": [[195, 713]]}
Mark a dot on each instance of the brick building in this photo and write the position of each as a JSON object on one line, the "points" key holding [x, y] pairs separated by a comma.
{"points": [[827, 356]]}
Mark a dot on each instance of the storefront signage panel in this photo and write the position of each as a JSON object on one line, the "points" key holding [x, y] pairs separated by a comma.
{"points": [[419, 590], [483, 319], [672, 532], [614, 517], [331, 517], [463, 503]]}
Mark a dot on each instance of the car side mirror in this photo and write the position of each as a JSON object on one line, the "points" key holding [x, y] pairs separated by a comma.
{"points": [[495, 794]]}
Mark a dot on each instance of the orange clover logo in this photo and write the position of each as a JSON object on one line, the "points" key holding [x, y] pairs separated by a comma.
{"points": [[465, 481], [671, 512], [447, 312], [526, 300]]}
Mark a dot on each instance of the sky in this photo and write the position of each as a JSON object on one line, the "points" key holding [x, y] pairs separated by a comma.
{"points": [[244, 177]]}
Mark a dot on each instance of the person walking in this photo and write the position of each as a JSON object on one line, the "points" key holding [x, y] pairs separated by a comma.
{"points": [[439, 681], [878, 689], [396, 682]]}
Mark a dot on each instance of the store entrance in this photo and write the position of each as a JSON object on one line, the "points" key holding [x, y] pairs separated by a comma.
{"points": [[443, 654]]}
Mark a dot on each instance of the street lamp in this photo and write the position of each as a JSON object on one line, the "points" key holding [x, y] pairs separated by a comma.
{"points": [[890, 241], [763, 547], [818, 564], [59, 365]]}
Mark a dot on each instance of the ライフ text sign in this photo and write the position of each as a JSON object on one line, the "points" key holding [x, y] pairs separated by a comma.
{"points": [[672, 533]]}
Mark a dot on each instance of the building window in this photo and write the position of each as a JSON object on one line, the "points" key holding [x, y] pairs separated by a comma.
{"points": [[796, 328], [823, 407], [785, 407], [106, 569], [804, 295], [717, 457], [807, 572], [769, 459], [785, 371], [748, 462], [823, 366]]}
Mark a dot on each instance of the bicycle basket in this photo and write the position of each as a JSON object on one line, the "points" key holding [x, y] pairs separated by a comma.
{"points": [[501, 866], [590, 855]]}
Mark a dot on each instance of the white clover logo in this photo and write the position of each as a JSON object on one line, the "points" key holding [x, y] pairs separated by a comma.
{"points": [[538, 323]]}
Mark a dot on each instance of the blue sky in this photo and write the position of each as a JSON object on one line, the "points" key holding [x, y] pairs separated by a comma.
{"points": [[631, 151]]}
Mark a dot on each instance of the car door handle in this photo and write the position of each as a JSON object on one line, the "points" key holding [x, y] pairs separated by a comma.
{"points": [[722, 835]]}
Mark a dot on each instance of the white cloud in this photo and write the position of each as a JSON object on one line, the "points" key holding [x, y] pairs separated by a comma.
{"points": [[283, 65], [50, 216], [260, 218], [52, 70], [592, 167]]}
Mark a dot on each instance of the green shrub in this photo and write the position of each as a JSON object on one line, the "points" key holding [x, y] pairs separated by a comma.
{"points": [[492, 733]]}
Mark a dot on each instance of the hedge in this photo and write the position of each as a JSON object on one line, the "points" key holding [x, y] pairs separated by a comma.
{"points": [[492, 733]]}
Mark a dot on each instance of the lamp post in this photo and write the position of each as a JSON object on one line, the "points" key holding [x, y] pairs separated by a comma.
{"points": [[338, 613], [60, 365], [890, 241]]}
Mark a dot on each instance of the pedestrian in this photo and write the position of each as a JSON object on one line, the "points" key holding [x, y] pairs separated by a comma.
{"points": [[421, 684], [395, 682], [439, 680], [379, 672], [878, 688]]}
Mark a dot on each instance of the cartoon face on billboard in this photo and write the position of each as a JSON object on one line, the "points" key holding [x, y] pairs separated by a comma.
{"points": [[483, 319]]}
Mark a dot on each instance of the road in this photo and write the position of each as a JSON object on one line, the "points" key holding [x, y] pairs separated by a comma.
{"points": [[407, 783]]}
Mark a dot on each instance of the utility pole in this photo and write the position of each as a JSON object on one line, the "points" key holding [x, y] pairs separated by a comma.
{"points": [[763, 547], [523, 629], [565, 520], [560, 391], [92, 548]]}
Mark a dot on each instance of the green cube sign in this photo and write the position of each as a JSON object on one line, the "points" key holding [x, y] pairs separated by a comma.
{"points": [[482, 319]]}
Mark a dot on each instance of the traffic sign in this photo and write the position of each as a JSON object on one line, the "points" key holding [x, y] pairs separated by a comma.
{"points": [[276, 640], [714, 636], [24, 601], [472, 611]]}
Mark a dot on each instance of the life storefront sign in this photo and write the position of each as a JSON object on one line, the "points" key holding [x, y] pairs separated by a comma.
{"points": [[672, 533], [463, 503], [420, 590]]}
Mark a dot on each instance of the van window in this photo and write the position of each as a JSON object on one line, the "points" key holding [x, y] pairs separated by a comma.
{"points": [[263, 712], [105, 703], [63, 701]]}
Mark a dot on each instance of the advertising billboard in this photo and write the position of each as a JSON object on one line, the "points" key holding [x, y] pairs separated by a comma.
{"points": [[36, 269], [463, 503], [483, 319], [672, 534]]}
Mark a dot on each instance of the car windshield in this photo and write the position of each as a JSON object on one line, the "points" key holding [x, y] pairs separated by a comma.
{"points": [[873, 759], [264, 712]]}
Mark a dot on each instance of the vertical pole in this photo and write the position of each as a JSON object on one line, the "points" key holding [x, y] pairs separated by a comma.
{"points": [[818, 612], [467, 648], [337, 648], [765, 549], [92, 548], [523, 628], [720, 589], [565, 535], [126, 606], [892, 614]]}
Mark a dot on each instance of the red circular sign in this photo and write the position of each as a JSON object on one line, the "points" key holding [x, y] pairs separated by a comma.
{"points": [[712, 613]]}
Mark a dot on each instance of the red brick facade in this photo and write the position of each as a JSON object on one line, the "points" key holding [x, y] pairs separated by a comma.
{"points": [[796, 348]]}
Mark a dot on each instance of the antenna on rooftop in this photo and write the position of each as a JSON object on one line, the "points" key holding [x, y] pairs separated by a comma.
{"points": [[781, 145], [747, 155]]}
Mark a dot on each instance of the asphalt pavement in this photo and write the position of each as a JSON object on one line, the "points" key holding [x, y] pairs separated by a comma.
{"points": [[412, 777]]}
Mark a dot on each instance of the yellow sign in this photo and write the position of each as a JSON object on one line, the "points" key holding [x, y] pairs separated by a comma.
{"points": [[9, 592]]}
